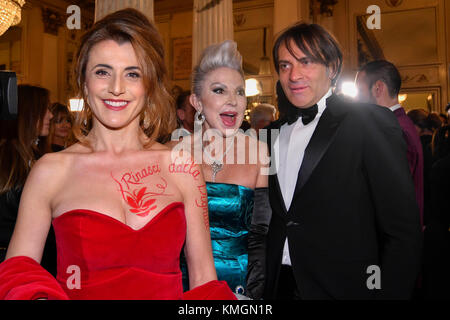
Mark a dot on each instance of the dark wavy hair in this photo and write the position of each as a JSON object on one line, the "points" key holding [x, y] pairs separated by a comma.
{"points": [[384, 71], [59, 110], [18, 150], [315, 42]]}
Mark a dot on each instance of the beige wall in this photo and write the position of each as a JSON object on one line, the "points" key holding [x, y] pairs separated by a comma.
{"points": [[420, 71], [255, 16], [50, 67], [174, 26], [33, 50]]}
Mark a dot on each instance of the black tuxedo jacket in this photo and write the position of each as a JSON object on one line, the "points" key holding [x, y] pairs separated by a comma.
{"points": [[354, 206]]}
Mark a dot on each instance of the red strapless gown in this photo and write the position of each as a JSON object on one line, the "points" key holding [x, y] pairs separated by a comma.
{"points": [[114, 261]]}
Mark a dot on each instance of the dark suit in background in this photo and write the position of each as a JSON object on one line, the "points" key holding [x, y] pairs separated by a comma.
{"points": [[414, 154]]}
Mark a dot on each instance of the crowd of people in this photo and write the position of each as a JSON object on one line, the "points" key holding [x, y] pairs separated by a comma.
{"points": [[146, 194]]}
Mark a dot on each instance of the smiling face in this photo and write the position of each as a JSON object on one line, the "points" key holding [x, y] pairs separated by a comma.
{"points": [[304, 80], [222, 100], [62, 125], [114, 87]]}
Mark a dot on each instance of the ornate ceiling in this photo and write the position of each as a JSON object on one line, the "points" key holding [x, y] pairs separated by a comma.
{"points": [[160, 6]]}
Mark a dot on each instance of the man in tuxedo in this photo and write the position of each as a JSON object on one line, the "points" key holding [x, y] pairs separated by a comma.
{"points": [[345, 223], [379, 82]]}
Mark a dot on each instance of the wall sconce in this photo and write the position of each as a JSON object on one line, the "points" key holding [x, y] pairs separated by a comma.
{"points": [[348, 88], [402, 97], [10, 13], [252, 87], [253, 90], [76, 105]]}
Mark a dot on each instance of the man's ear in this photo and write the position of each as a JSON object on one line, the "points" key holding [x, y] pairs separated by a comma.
{"points": [[195, 102], [379, 88]]}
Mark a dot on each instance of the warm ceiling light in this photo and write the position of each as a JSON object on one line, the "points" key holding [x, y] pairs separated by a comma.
{"points": [[10, 13], [252, 87], [402, 97], [349, 89]]}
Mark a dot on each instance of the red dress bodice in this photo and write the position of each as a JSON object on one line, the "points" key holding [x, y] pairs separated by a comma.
{"points": [[114, 261]]}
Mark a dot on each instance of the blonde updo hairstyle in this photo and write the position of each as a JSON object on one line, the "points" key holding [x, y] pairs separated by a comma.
{"points": [[224, 54]]}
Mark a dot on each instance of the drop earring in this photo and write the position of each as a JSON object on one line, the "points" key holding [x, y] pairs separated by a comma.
{"points": [[199, 118]]}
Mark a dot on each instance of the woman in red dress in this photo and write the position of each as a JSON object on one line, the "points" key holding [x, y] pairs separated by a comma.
{"points": [[120, 208]]}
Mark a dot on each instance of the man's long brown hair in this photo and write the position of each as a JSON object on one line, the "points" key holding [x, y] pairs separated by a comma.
{"points": [[315, 42], [18, 150]]}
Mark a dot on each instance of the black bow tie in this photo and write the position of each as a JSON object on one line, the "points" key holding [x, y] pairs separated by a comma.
{"points": [[307, 114]]}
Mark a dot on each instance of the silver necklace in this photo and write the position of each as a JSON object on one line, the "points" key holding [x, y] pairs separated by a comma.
{"points": [[217, 165]]}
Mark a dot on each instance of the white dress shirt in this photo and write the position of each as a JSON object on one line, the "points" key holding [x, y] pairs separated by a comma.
{"points": [[289, 150], [395, 107]]}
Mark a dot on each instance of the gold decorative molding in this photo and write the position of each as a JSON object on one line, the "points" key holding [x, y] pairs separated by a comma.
{"points": [[326, 7], [163, 18], [419, 75], [52, 20], [394, 3], [418, 78], [239, 20], [244, 5]]}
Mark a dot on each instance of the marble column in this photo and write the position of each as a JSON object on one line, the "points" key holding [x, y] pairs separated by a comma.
{"points": [[104, 7], [212, 23]]}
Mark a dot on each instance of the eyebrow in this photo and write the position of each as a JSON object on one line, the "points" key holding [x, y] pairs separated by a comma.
{"points": [[224, 85], [299, 60], [218, 83], [102, 65]]}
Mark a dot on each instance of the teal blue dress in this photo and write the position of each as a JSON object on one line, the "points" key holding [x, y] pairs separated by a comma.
{"points": [[230, 210]]}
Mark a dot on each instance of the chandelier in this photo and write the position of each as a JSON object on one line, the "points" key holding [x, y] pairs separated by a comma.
{"points": [[10, 13]]}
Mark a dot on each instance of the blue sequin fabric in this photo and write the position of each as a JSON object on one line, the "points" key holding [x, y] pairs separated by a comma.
{"points": [[230, 209]]}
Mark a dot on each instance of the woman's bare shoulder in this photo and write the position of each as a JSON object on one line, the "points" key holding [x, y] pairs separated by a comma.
{"points": [[53, 166], [76, 148]]}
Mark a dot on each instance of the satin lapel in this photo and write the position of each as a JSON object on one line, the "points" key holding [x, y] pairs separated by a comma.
{"points": [[320, 141], [276, 184], [273, 179]]}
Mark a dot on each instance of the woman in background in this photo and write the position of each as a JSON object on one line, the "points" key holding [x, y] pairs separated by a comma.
{"points": [[19, 150], [60, 136], [237, 198]]}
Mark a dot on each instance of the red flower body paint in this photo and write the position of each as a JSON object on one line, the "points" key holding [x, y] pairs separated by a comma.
{"points": [[140, 200]]}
